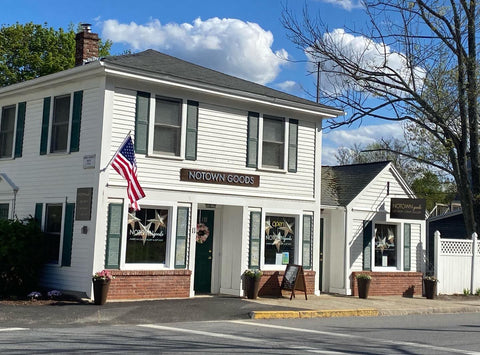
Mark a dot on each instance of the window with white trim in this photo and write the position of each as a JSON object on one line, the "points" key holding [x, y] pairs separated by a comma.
{"points": [[280, 239], [4, 210], [166, 126], [386, 245], [7, 130], [272, 142], [147, 236], [60, 123], [53, 231]]}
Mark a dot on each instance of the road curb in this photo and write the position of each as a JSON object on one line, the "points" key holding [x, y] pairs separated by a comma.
{"points": [[361, 312]]}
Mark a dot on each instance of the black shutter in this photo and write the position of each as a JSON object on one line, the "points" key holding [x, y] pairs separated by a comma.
{"points": [[45, 119], [68, 234], [192, 128], [142, 112], [76, 121], [20, 129], [367, 245], [252, 140], [114, 236]]}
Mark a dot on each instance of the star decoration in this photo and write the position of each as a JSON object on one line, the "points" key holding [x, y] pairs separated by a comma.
{"points": [[278, 241], [268, 226], [287, 228], [132, 219], [158, 221], [144, 232]]}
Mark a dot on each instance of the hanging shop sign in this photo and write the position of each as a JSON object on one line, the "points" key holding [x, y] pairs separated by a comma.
{"points": [[219, 177], [407, 208]]}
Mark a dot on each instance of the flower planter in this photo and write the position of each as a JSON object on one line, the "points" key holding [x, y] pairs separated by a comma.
{"points": [[100, 291], [252, 285], [363, 287], [430, 287]]}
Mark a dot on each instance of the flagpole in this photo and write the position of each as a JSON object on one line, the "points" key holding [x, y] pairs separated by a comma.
{"points": [[113, 156]]}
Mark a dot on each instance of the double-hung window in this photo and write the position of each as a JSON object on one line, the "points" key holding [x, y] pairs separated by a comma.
{"points": [[61, 123], [272, 142], [166, 126], [12, 123], [7, 129]]}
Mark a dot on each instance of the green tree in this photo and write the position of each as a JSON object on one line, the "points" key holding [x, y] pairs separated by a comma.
{"points": [[433, 190], [31, 50], [415, 62]]}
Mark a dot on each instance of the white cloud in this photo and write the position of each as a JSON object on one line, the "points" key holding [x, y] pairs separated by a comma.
{"points": [[370, 55], [289, 86], [232, 46], [347, 137], [345, 4]]}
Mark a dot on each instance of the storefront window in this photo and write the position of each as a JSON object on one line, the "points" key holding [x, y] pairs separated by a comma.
{"points": [[279, 240], [385, 245], [147, 236]]}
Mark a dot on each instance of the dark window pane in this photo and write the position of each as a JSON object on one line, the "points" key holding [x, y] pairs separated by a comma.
{"points": [[147, 236], [279, 240], [7, 128], [53, 228], [168, 118], [385, 245], [61, 117]]}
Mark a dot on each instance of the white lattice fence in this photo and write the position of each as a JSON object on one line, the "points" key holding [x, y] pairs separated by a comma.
{"points": [[457, 264]]}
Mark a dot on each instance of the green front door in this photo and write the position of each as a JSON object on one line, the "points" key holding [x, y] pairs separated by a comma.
{"points": [[203, 254]]}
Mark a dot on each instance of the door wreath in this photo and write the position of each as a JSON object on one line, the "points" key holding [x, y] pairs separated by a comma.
{"points": [[202, 233]]}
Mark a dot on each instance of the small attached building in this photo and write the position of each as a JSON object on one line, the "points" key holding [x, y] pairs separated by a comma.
{"points": [[372, 223]]}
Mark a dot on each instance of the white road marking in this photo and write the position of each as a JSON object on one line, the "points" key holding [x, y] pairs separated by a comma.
{"points": [[199, 332], [11, 329], [363, 338]]}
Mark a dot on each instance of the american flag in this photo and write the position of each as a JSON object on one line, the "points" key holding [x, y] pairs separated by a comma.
{"points": [[125, 164]]}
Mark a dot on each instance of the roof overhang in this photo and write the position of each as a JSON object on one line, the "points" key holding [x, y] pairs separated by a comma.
{"points": [[132, 73]]}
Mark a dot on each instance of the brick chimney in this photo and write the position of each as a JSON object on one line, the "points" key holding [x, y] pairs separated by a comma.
{"points": [[86, 45]]}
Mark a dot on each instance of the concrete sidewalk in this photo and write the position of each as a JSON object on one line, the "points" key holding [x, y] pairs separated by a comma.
{"points": [[327, 305]]}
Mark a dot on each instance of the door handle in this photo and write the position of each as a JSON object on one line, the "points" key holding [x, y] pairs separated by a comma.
{"points": [[209, 258]]}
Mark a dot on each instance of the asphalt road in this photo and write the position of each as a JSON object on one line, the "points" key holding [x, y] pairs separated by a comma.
{"points": [[414, 334]]}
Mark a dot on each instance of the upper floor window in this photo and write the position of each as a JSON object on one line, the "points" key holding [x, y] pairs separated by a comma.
{"points": [[12, 123], [61, 124], [278, 138], [273, 143], [166, 126], [7, 129]]}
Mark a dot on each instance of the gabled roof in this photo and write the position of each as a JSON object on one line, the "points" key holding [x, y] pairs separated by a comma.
{"points": [[341, 184], [177, 70]]}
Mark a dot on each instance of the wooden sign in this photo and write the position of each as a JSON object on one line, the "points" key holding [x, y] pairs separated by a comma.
{"points": [[294, 279], [84, 204], [407, 208], [219, 177]]}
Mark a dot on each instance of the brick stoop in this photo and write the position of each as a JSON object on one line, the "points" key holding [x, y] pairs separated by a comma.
{"points": [[405, 284], [149, 284]]}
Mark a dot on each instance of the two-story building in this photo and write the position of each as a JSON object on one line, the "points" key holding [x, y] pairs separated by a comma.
{"points": [[230, 169]]}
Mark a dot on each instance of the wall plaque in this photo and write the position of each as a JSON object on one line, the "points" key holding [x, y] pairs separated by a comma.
{"points": [[84, 204], [407, 208], [219, 177]]}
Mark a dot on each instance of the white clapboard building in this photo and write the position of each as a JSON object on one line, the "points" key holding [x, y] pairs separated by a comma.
{"points": [[230, 169]]}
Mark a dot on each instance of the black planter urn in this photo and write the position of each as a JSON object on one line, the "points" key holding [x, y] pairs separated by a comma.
{"points": [[100, 291], [430, 287], [363, 287]]}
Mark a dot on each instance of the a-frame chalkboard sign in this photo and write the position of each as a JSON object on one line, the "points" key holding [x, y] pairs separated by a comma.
{"points": [[294, 279]]}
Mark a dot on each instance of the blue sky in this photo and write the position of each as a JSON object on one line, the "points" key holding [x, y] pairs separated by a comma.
{"points": [[243, 38]]}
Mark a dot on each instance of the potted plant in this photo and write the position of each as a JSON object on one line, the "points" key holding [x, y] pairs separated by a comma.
{"points": [[363, 284], [430, 286], [101, 283], [252, 282]]}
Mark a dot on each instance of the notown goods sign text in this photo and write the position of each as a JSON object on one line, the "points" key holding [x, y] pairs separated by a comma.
{"points": [[219, 177]]}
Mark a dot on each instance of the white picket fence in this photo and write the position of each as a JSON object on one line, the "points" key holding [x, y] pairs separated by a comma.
{"points": [[457, 264]]}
